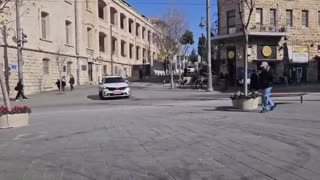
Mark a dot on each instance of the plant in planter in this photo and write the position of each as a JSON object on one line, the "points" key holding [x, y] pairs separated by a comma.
{"points": [[16, 117], [249, 102]]}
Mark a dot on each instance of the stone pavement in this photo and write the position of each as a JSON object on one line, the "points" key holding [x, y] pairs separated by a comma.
{"points": [[182, 138]]}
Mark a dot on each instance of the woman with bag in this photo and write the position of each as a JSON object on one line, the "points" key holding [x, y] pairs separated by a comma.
{"points": [[19, 88]]}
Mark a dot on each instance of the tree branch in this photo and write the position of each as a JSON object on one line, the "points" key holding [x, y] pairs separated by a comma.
{"points": [[3, 5]]}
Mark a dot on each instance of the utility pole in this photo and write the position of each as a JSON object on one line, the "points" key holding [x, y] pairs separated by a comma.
{"points": [[19, 41], [111, 52], [210, 88], [77, 36]]}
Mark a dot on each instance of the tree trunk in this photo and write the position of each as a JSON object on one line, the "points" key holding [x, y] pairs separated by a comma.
{"points": [[245, 63], [60, 81], [180, 75], [171, 76], [4, 89]]}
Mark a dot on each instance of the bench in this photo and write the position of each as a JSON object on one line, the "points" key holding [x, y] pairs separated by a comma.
{"points": [[185, 81], [301, 94]]}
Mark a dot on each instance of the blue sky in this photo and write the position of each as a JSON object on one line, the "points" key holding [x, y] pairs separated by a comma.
{"points": [[193, 10]]}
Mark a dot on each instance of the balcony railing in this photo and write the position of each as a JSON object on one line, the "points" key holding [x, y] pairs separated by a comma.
{"points": [[268, 28]]}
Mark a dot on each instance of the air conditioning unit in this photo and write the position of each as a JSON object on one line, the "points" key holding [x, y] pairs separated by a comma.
{"points": [[272, 28], [232, 30], [283, 29], [263, 29]]}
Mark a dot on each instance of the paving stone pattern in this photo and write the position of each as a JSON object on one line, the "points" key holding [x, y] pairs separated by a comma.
{"points": [[171, 140]]}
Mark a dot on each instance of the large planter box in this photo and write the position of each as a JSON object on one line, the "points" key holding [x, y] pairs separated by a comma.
{"points": [[246, 104], [14, 120]]}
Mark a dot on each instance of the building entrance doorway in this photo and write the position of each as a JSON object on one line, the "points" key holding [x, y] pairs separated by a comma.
{"points": [[90, 76], [319, 70]]}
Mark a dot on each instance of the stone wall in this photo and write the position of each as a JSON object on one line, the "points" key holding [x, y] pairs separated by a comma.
{"points": [[297, 34], [54, 45]]}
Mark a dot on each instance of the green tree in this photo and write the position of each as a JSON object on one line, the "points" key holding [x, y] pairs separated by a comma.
{"points": [[193, 56], [186, 40], [202, 49]]}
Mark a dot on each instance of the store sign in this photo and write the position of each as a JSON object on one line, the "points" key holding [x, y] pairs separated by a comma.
{"points": [[300, 54], [300, 49], [300, 57]]}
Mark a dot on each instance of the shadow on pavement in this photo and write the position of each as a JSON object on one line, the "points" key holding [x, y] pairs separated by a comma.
{"points": [[233, 109], [97, 98], [228, 109]]}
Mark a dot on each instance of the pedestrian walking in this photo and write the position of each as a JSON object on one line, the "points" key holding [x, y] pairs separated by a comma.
{"points": [[266, 87], [63, 83], [20, 93], [71, 82]]}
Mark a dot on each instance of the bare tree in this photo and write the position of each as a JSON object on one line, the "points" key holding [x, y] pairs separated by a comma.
{"points": [[248, 5], [246, 8], [3, 10], [61, 60], [171, 28], [3, 6]]}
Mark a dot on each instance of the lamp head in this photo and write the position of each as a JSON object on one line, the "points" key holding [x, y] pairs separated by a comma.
{"points": [[202, 23]]}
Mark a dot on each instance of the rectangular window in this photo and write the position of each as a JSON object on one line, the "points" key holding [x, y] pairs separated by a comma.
{"points": [[44, 25], [137, 30], [144, 55], [102, 9], [130, 25], [87, 4], [305, 18], [137, 53], [319, 18], [273, 17], [130, 51], [289, 20], [68, 32], [102, 42], [114, 45], [231, 21], [45, 66], [69, 68], [149, 36], [122, 21], [89, 37], [259, 16], [105, 69], [143, 32], [123, 49]]}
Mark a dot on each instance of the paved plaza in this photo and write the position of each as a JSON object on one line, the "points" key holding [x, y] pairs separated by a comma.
{"points": [[160, 134]]}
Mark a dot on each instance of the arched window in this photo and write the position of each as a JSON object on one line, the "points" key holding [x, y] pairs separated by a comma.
{"points": [[105, 70], [116, 70], [46, 66]]}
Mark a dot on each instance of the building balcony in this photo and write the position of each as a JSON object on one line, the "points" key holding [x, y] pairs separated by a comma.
{"points": [[256, 31], [268, 30]]}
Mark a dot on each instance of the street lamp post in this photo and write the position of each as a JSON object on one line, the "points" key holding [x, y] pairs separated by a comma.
{"points": [[202, 24]]}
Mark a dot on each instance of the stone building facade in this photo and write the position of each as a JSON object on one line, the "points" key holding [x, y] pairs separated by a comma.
{"points": [[284, 33], [86, 38]]}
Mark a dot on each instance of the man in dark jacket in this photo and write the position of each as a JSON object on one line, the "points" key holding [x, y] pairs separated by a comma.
{"points": [[266, 87], [19, 88], [71, 82]]}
